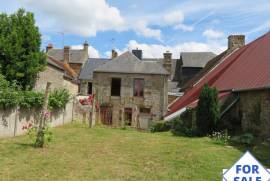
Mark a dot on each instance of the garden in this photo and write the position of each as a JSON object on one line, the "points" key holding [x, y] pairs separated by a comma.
{"points": [[77, 152]]}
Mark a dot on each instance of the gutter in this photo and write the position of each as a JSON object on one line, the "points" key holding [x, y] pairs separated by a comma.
{"points": [[251, 89], [175, 114]]}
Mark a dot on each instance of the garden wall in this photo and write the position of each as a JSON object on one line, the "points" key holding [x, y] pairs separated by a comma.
{"points": [[13, 120]]}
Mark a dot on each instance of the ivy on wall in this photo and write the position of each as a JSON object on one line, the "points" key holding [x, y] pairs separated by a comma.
{"points": [[11, 96]]}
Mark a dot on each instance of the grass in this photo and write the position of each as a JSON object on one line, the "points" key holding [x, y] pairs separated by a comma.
{"points": [[80, 153]]}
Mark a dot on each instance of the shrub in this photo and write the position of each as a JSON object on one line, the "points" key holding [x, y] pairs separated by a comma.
{"points": [[221, 138], [58, 99], [181, 128], [30, 99], [246, 139], [208, 112], [9, 96], [161, 126]]}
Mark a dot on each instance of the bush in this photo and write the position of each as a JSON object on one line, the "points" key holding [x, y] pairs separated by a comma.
{"points": [[58, 99], [221, 138], [161, 126], [9, 96], [246, 139], [182, 128], [30, 99], [208, 112]]}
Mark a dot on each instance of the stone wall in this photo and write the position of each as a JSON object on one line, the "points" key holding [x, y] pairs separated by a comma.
{"points": [[12, 120], [56, 77], [51, 74], [255, 111], [83, 87], [155, 96]]}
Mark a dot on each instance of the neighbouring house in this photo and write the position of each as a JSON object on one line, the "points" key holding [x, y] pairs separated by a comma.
{"points": [[60, 74], [86, 75], [242, 76], [130, 91], [190, 64], [74, 57]]}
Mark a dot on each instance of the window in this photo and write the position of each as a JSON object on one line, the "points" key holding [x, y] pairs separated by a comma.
{"points": [[89, 88], [116, 87], [145, 110], [138, 87]]}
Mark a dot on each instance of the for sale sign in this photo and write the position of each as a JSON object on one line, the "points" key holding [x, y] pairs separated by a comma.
{"points": [[246, 169]]}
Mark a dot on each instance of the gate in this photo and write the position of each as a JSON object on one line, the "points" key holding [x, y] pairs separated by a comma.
{"points": [[106, 115]]}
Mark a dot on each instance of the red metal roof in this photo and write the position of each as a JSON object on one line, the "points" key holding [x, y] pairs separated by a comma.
{"points": [[245, 68]]}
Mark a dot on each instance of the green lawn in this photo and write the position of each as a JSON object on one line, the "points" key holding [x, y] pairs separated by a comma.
{"points": [[80, 153]]}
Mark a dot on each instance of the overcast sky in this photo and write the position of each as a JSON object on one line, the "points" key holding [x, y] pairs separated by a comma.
{"points": [[151, 25]]}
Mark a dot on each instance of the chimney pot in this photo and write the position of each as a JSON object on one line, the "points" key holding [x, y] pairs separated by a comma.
{"points": [[66, 54], [138, 53], [114, 54], [167, 55], [236, 41], [49, 47]]}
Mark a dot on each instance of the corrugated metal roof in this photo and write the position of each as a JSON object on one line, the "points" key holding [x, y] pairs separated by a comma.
{"points": [[76, 56], [245, 68], [90, 65], [196, 59], [128, 63]]}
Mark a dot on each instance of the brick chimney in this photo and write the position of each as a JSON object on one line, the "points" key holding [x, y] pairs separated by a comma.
{"points": [[236, 41], [85, 46], [114, 54], [138, 53], [167, 61], [66, 54], [49, 47]]}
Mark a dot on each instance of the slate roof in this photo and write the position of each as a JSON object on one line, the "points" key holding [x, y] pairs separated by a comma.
{"points": [[90, 65], [76, 56], [196, 59], [129, 63], [246, 68]]}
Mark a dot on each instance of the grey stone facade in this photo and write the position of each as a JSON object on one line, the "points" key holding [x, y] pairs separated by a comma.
{"points": [[255, 111], [155, 97]]}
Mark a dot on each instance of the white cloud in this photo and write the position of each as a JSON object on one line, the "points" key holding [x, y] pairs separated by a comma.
{"points": [[93, 53], [213, 34], [174, 17], [184, 27], [157, 50], [81, 17], [142, 28]]}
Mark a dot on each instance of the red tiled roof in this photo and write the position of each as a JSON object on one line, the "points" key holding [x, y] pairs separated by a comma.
{"points": [[63, 66], [245, 68]]}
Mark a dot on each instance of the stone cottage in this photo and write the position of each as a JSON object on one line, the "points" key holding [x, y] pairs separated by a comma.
{"points": [[75, 58], [241, 75], [60, 75], [86, 75], [130, 91], [190, 64]]}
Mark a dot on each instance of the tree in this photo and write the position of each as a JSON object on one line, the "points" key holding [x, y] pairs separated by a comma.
{"points": [[208, 112], [20, 55]]}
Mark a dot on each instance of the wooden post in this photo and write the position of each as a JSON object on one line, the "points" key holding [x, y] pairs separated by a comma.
{"points": [[40, 133], [45, 105]]}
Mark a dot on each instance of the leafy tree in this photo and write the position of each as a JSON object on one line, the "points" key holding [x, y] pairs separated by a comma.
{"points": [[20, 55], [208, 112]]}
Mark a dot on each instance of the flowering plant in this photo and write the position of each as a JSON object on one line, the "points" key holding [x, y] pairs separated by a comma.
{"points": [[221, 138], [87, 101], [33, 131]]}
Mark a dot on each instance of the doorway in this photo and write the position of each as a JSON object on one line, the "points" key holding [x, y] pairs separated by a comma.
{"points": [[106, 115], [128, 116]]}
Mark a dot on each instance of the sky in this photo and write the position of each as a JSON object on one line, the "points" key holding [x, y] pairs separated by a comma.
{"points": [[155, 26]]}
